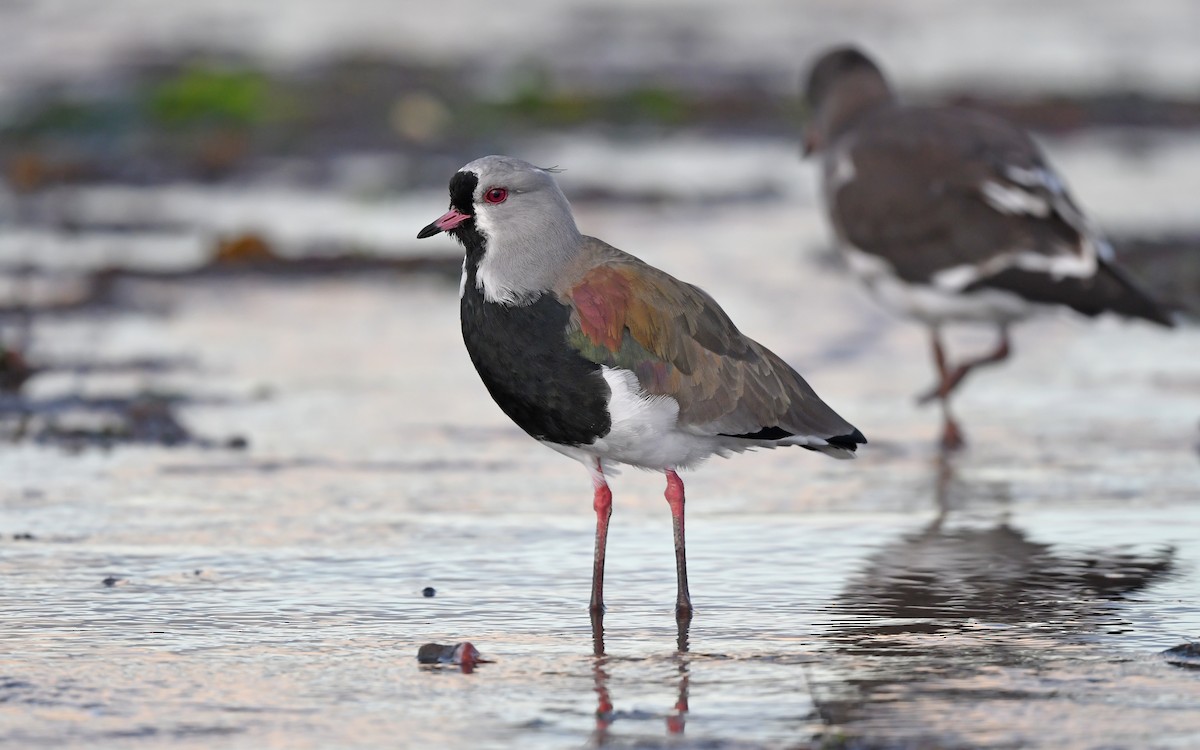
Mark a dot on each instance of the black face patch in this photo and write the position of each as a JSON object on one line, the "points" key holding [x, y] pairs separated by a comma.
{"points": [[537, 379], [462, 192]]}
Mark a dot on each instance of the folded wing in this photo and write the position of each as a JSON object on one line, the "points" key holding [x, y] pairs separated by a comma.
{"points": [[680, 343], [963, 201]]}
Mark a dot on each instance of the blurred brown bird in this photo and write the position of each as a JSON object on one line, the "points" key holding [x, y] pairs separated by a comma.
{"points": [[953, 216]]}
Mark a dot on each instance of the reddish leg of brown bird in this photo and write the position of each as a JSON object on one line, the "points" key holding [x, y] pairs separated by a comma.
{"points": [[674, 495], [602, 504], [951, 378], [952, 438]]}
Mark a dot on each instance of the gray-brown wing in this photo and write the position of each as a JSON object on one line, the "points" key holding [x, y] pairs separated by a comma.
{"points": [[680, 343]]}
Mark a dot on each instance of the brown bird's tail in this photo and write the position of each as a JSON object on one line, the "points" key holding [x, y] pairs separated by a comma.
{"points": [[1110, 289], [1131, 300]]}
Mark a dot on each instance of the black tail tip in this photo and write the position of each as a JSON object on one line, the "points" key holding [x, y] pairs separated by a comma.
{"points": [[849, 442]]}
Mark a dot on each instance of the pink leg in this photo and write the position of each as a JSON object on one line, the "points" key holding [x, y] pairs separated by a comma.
{"points": [[674, 495], [952, 438], [950, 378], [602, 503]]}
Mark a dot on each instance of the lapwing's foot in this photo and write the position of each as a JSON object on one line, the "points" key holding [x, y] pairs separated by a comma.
{"points": [[598, 632]]}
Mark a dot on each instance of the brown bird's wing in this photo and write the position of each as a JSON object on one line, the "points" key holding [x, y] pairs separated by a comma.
{"points": [[930, 190], [965, 201], [680, 343]]}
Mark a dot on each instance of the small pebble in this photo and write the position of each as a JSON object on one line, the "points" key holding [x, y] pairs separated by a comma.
{"points": [[429, 592], [463, 654]]}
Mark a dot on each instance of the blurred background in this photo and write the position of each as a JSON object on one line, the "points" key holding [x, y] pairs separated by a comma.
{"points": [[234, 401]]}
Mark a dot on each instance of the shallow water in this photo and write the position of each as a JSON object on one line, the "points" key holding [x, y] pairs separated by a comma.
{"points": [[284, 607]]}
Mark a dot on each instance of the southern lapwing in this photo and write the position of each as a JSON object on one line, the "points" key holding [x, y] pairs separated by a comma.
{"points": [[951, 215], [609, 360]]}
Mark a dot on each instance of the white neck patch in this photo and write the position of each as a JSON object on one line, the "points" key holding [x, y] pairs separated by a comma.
{"points": [[487, 279]]}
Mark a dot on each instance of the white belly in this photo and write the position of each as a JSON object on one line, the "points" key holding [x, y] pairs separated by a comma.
{"points": [[645, 431]]}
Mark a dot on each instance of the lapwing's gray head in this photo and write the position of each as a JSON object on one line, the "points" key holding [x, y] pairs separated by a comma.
{"points": [[515, 224], [841, 86]]}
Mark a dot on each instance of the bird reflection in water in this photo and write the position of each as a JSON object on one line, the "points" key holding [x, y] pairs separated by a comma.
{"points": [[676, 719], [952, 600], [604, 706]]}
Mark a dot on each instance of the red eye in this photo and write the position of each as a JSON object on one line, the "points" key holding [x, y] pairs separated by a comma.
{"points": [[495, 195]]}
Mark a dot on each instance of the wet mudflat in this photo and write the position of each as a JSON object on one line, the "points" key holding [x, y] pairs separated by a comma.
{"points": [[1020, 594]]}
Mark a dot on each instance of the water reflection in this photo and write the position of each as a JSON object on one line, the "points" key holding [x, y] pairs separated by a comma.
{"points": [[678, 718], [954, 610], [600, 676], [606, 714]]}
